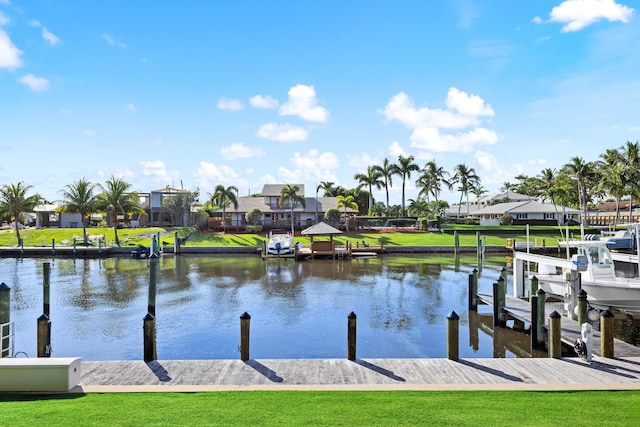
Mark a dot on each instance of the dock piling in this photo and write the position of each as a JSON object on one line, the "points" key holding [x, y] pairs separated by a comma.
{"points": [[583, 307], [351, 336], [5, 317], [606, 334], [149, 331], [453, 321], [245, 324], [499, 299], [473, 290], [555, 335]]}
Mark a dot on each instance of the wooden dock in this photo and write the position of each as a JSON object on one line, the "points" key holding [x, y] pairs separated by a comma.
{"points": [[361, 374], [519, 309]]}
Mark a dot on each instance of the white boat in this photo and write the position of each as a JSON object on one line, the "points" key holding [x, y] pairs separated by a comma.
{"points": [[605, 289], [280, 242]]}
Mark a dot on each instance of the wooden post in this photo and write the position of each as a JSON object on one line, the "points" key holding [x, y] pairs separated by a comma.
{"points": [[533, 286], [452, 336], [5, 317], [503, 274], [351, 336], [478, 248], [606, 334], [46, 280], [534, 321], [499, 298], [74, 245], [149, 331], [456, 242], [44, 336], [99, 245], [153, 278], [540, 317], [176, 243], [53, 247], [582, 307], [555, 342], [245, 323], [474, 326], [473, 290]]}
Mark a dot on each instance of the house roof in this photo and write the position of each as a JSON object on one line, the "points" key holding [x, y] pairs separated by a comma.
{"points": [[611, 206], [274, 190], [321, 228], [168, 190], [504, 195], [528, 206]]}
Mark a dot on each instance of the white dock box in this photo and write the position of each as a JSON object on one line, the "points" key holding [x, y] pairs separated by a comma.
{"points": [[39, 373]]}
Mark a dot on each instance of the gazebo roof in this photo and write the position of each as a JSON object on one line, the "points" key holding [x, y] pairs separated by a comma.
{"points": [[321, 228]]}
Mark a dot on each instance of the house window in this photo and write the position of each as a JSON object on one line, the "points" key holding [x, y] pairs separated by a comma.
{"points": [[521, 216], [550, 215]]}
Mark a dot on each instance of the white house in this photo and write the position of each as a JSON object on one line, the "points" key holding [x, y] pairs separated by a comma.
{"points": [[528, 212]]}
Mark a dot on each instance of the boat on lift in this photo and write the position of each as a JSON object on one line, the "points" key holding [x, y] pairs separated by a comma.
{"points": [[280, 242]]}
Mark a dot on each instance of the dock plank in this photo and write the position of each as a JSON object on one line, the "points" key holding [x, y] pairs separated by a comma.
{"points": [[485, 373]]}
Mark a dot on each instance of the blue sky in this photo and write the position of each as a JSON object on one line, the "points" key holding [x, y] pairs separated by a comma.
{"points": [[200, 93]]}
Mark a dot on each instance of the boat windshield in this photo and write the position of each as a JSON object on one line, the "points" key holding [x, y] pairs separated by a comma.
{"points": [[599, 256]]}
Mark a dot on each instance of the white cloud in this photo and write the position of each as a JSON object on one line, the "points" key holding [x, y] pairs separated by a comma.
{"points": [[112, 41], [282, 132], [118, 172], [50, 37], [302, 103], [230, 104], [240, 151], [396, 150], [3, 19], [463, 142], [89, 132], [157, 170], [316, 161], [208, 175], [36, 84], [360, 162], [463, 113], [487, 161], [578, 14], [266, 102], [132, 107], [538, 161], [9, 54], [536, 20]]}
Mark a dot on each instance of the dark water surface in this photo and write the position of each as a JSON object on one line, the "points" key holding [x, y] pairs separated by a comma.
{"points": [[298, 309]]}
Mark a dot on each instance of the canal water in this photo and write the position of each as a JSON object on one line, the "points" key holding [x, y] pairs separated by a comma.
{"points": [[297, 309]]}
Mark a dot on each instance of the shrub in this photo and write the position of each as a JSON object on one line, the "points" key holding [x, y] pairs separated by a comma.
{"points": [[506, 219], [253, 228], [333, 216], [254, 216]]}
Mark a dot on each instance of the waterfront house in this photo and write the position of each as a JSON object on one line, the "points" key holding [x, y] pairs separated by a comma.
{"points": [[530, 212], [274, 215]]}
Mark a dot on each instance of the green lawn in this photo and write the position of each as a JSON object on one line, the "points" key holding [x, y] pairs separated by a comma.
{"points": [[135, 236], [316, 408]]}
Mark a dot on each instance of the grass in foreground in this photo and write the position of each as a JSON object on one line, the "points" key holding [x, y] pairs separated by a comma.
{"points": [[369, 408]]}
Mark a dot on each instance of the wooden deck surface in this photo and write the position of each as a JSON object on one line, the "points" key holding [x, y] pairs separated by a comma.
{"points": [[338, 374], [519, 309]]}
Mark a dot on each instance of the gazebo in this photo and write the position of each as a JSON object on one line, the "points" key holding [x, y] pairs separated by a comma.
{"points": [[322, 247]]}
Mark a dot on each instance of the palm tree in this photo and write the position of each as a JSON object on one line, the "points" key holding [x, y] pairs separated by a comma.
{"points": [[431, 180], [387, 170], [630, 152], [583, 173], [406, 165], [419, 208], [612, 177], [328, 187], [224, 197], [346, 202], [289, 193], [14, 202], [467, 179], [80, 197], [370, 179], [117, 199]]}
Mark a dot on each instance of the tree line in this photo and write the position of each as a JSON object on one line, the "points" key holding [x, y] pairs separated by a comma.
{"points": [[615, 176]]}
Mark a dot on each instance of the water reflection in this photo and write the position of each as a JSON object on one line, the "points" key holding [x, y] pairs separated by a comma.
{"points": [[298, 309]]}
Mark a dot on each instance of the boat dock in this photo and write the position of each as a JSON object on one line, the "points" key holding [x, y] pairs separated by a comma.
{"points": [[518, 309], [360, 374]]}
